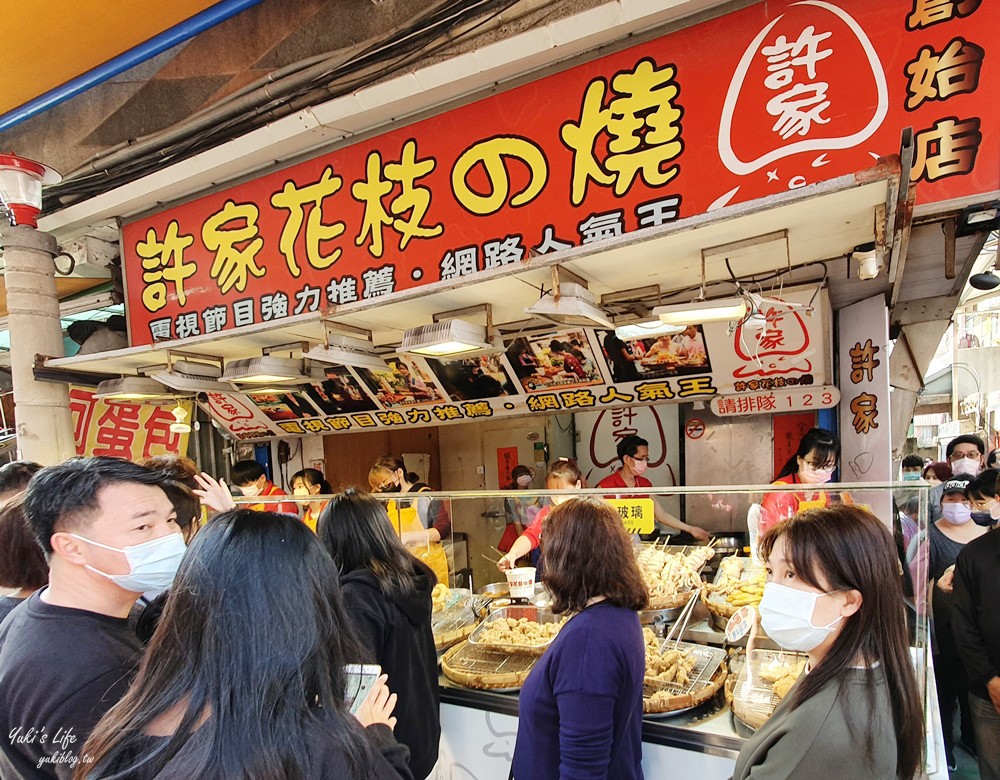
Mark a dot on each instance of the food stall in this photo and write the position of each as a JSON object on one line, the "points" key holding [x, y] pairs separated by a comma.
{"points": [[710, 680], [291, 308], [705, 691]]}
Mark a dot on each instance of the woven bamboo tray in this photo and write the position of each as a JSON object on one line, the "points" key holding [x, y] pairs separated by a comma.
{"points": [[707, 678], [671, 602], [718, 606], [486, 669], [454, 623]]}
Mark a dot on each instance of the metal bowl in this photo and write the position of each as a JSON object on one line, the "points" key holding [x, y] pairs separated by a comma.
{"points": [[728, 545], [499, 590], [494, 589]]}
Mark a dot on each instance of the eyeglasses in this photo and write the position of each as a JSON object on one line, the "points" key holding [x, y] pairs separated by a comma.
{"points": [[822, 466], [640, 460]]}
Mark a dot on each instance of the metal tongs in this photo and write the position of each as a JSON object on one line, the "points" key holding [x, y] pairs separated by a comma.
{"points": [[680, 625]]}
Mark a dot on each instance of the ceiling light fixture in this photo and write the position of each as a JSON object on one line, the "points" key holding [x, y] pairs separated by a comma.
{"points": [[21, 183], [178, 425], [570, 304], [191, 373], [265, 370], [647, 329], [987, 280], [347, 351], [700, 312], [131, 388], [450, 337], [978, 219]]}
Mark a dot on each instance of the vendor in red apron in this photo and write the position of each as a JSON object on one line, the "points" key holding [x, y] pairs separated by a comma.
{"points": [[249, 476], [633, 452], [421, 523], [813, 464]]}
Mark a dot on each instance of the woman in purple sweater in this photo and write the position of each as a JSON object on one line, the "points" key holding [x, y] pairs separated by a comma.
{"points": [[581, 706]]}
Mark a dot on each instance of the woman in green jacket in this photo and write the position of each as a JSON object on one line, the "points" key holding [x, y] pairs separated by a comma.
{"points": [[833, 592]]}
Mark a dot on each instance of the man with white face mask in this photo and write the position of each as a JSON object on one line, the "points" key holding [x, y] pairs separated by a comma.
{"points": [[67, 654], [633, 452], [966, 455]]}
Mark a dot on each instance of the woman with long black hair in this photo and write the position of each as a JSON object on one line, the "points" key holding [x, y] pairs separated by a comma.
{"points": [[245, 675], [833, 592], [387, 593]]}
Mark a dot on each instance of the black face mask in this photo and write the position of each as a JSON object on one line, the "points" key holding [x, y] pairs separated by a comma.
{"points": [[394, 488], [984, 519]]}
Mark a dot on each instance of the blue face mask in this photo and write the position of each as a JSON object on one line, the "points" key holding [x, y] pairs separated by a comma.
{"points": [[911, 476], [986, 519]]}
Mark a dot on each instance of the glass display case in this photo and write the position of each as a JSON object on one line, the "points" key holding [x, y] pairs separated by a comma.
{"points": [[696, 719]]}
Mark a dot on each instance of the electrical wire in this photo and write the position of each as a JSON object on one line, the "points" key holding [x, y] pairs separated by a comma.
{"points": [[423, 38]]}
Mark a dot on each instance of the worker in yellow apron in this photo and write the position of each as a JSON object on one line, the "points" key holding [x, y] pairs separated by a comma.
{"points": [[416, 538], [420, 534]]}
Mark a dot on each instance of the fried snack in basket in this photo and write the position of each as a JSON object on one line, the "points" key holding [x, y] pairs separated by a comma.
{"points": [[517, 631], [440, 596], [671, 577], [733, 587], [672, 665], [782, 674]]}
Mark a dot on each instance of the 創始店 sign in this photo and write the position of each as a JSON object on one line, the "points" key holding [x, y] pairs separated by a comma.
{"points": [[571, 370], [760, 101]]}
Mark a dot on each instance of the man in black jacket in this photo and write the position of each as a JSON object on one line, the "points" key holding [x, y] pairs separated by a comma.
{"points": [[976, 628], [67, 654]]}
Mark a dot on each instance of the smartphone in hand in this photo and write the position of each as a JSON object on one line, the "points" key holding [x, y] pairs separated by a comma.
{"points": [[361, 679]]}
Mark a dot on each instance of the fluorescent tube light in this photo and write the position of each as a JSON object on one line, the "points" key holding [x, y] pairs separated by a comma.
{"points": [[647, 329], [700, 312]]}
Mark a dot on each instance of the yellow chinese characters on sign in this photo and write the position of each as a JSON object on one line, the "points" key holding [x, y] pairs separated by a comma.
{"points": [[637, 513], [127, 430]]}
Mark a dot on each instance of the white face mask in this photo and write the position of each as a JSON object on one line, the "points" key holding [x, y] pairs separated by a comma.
{"points": [[968, 466], [524, 480], [152, 564], [956, 514], [251, 490], [786, 616], [300, 491]]}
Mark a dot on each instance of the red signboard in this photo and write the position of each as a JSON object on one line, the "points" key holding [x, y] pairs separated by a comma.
{"points": [[767, 99], [506, 460]]}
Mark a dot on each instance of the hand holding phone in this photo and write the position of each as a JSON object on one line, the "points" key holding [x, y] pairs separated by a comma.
{"points": [[378, 705]]}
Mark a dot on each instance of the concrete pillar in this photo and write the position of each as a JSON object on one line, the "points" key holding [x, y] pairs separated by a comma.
{"points": [[44, 423]]}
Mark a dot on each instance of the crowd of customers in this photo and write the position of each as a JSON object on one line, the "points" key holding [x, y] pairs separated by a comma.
{"points": [[156, 630]]}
